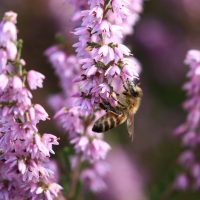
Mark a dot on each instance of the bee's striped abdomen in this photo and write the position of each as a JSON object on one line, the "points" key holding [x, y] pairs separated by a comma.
{"points": [[108, 121]]}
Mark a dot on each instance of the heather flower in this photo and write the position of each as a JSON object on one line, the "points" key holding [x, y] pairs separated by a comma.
{"points": [[78, 6], [49, 190], [8, 33], [89, 146], [125, 180], [94, 177], [78, 126], [24, 151], [53, 166], [125, 14], [131, 8], [3, 81], [3, 60], [102, 65], [181, 182], [35, 79], [103, 56], [187, 158], [67, 69], [189, 130], [37, 113]]}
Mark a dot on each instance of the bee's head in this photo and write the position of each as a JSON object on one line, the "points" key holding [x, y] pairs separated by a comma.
{"points": [[133, 87]]}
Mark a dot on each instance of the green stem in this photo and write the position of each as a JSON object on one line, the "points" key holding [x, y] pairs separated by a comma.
{"points": [[18, 57], [19, 50], [166, 195], [74, 180], [81, 195], [106, 7]]}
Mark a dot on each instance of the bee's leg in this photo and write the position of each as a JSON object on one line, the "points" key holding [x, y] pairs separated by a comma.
{"points": [[125, 88], [115, 110], [125, 93], [104, 106], [108, 107], [121, 105], [123, 83]]}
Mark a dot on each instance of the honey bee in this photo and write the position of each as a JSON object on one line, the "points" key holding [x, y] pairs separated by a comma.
{"points": [[128, 104]]}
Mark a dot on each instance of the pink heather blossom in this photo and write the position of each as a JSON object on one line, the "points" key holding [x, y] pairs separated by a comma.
{"points": [[91, 146], [70, 121], [94, 178], [102, 65], [67, 69], [53, 166], [38, 113], [17, 83], [181, 182], [187, 159], [10, 16], [49, 190], [125, 180], [102, 54], [11, 50], [131, 8], [24, 151], [35, 79], [189, 130], [3, 81], [3, 60], [8, 33], [77, 124]]}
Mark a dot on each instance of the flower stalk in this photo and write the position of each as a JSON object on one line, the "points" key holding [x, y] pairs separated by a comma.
{"points": [[24, 151], [189, 178]]}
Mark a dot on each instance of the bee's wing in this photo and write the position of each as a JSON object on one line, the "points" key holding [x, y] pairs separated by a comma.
{"points": [[108, 121], [130, 124]]}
